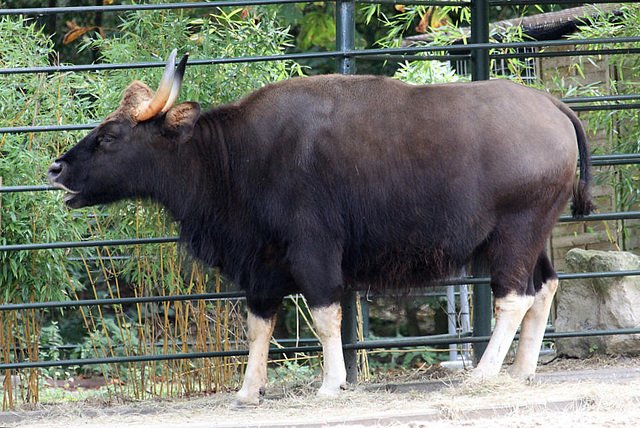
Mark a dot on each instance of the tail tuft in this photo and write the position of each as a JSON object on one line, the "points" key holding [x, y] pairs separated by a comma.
{"points": [[581, 204]]}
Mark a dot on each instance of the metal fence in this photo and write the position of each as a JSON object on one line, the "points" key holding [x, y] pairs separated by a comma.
{"points": [[478, 52]]}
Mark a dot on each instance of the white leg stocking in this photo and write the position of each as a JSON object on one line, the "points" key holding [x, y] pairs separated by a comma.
{"points": [[328, 321], [509, 312], [259, 332], [532, 331]]}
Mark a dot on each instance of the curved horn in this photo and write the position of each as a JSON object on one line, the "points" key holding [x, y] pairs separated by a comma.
{"points": [[177, 83], [153, 107]]}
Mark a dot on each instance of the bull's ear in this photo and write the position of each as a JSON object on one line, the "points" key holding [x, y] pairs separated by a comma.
{"points": [[180, 121]]}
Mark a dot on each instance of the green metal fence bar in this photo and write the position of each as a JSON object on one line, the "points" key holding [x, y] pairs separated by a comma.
{"points": [[515, 55], [143, 7], [480, 70], [127, 359], [146, 358], [628, 215], [179, 344], [418, 2], [603, 98], [122, 301], [87, 244], [399, 58], [409, 342], [623, 159], [202, 5], [405, 342], [561, 276], [480, 46], [223, 3], [506, 45], [22, 189], [606, 107], [493, 3], [346, 65], [555, 54], [46, 128], [158, 64], [241, 294]]}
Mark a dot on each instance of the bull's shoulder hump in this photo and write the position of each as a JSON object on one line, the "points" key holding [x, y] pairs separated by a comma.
{"points": [[337, 89], [325, 84], [329, 83]]}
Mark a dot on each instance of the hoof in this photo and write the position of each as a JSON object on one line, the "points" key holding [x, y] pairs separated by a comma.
{"points": [[526, 376], [476, 376], [325, 393], [240, 405], [330, 392], [480, 373], [244, 402]]}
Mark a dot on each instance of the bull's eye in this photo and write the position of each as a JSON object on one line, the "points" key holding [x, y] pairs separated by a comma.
{"points": [[106, 141]]}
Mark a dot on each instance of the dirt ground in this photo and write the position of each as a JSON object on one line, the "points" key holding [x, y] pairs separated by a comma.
{"points": [[603, 392]]}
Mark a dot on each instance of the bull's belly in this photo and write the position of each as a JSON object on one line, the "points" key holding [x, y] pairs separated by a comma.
{"points": [[398, 269]]}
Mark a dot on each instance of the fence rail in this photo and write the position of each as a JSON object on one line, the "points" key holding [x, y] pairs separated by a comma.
{"points": [[345, 53]]}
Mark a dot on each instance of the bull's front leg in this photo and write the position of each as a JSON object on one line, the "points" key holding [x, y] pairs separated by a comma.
{"points": [[327, 321], [259, 331]]}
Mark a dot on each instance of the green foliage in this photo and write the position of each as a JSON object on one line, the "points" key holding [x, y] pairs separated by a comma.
{"points": [[418, 72], [317, 28], [107, 339], [36, 217], [396, 23], [622, 127], [220, 35], [425, 72], [293, 371], [397, 359], [73, 98], [51, 341]]}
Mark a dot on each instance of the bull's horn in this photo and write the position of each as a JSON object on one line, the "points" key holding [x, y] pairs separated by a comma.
{"points": [[153, 107], [177, 83]]}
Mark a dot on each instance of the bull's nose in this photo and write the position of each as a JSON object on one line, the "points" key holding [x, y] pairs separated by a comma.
{"points": [[54, 171]]}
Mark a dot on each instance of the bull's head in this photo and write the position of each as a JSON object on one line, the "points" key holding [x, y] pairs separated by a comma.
{"points": [[115, 159]]}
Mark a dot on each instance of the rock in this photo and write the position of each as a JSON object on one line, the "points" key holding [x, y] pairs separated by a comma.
{"points": [[599, 304]]}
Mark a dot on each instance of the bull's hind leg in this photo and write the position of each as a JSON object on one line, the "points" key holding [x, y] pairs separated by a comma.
{"points": [[259, 331], [316, 267], [535, 320], [511, 250], [509, 312]]}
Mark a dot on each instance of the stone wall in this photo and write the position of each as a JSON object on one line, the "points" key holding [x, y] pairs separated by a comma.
{"points": [[599, 304]]}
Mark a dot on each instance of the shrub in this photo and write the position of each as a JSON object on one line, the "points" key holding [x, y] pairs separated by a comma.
{"points": [[37, 276]]}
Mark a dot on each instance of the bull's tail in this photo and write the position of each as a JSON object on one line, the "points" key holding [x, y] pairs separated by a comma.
{"points": [[581, 203]]}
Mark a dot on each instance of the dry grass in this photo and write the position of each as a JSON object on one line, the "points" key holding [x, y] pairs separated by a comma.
{"points": [[500, 402]]}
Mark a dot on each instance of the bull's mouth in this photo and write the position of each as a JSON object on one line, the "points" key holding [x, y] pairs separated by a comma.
{"points": [[69, 197]]}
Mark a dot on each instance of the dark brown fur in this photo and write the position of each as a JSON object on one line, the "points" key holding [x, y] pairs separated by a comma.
{"points": [[314, 184]]}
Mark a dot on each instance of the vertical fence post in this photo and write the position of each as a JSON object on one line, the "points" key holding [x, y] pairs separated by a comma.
{"points": [[480, 34], [350, 335], [345, 35], [480, 71], [345, 41]]}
